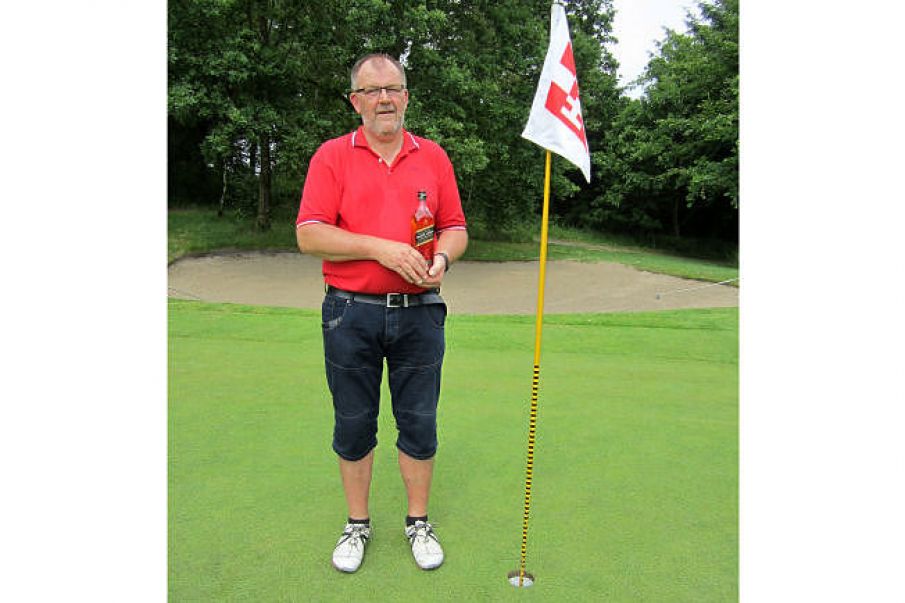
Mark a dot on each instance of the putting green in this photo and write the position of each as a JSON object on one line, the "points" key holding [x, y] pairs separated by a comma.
{"points": [[635, 488]]}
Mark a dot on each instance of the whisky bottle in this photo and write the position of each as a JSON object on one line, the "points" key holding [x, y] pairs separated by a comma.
{"points": [[423, 228]]}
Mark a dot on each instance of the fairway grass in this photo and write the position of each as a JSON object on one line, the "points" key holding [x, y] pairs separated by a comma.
{"points": [[635, 493]]}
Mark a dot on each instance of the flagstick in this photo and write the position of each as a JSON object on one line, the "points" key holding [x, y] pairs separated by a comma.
{"points": [[535, 384]]}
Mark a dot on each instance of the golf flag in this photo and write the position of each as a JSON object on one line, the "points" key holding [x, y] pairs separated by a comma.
{"points": [[555, 122]]}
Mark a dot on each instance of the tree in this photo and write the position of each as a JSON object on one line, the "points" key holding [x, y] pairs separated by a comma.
{"points": [[238, 66], [590, 24], [672, 161], [267, 83], [694, 99], [474, 81]]}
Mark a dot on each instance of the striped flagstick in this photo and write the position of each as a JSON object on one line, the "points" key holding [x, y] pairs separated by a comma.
{"points": [[556, 124], [525, 579]]}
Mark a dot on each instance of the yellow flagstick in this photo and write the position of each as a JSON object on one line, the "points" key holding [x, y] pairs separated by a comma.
{"points": [[535, 383]]}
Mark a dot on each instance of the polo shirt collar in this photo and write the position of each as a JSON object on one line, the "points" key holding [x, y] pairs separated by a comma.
{"points": [[409, 143]]}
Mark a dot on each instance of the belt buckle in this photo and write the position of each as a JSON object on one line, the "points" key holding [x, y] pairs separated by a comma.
{"points": [[397, 300]]}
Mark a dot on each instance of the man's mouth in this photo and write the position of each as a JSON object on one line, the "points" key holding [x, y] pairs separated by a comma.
{"points": [[387, 111]]}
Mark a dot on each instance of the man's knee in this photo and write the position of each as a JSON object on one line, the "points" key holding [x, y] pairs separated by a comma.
{"points": [[354, 436], [417, 434]]}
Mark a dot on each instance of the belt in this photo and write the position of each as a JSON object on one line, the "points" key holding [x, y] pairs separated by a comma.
{"points": [[390, 300]]}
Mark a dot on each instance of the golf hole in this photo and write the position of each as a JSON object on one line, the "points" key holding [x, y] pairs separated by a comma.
{"points": [[527, 579]]}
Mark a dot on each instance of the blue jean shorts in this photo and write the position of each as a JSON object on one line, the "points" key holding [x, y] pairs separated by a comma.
{"points": [[358, 337]]}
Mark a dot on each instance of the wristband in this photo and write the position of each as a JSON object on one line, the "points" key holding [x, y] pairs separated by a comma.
{"points": [[445, 260]]}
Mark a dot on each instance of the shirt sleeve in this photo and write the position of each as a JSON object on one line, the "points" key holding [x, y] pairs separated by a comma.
{"points": [[449, 213], [321, 193]]}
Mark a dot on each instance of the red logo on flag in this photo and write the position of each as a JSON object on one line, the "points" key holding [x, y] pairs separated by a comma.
{"points": [[565, 105]]}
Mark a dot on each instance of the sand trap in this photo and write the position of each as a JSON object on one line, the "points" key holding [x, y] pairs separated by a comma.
{"points": [[294, 280]]}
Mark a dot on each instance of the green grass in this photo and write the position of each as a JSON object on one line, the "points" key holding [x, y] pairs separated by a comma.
{"points": [[642, 259], [199, 231], [635, 492]]}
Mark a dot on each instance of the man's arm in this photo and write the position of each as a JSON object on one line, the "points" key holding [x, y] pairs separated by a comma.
{"points": [[451, 242], [337, 245]]}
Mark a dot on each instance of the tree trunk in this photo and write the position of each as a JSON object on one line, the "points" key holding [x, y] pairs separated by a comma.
{"points": [[222, 192], [263, 222]]}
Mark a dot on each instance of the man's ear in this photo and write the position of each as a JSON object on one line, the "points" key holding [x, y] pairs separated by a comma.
{"points": [[356, 102]]}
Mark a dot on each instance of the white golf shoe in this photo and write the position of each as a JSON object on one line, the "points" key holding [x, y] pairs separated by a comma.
{"points": [[425, 546], [350, 549]]}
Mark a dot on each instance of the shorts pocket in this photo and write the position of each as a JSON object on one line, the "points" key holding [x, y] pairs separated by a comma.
{"points": [[436, 313], [333, 311]]}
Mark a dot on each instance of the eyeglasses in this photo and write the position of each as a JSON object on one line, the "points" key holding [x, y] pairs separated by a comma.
{"points": [[374, 91]]}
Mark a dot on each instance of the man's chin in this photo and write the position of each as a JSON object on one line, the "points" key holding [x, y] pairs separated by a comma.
{"points": [[385, 130]]}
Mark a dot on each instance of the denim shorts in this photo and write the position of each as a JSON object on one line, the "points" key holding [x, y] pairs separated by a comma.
{"points": [[357, 338]]}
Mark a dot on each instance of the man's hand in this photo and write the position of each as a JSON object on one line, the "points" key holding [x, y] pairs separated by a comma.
{"points": [[404, 260], [336, 245], [435, 274]]}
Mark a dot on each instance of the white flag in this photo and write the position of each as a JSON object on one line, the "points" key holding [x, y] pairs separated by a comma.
{"points": [[555, 122]]}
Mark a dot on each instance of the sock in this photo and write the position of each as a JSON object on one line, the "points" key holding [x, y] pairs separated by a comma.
{"points": [[410, 521], [366, 522]]}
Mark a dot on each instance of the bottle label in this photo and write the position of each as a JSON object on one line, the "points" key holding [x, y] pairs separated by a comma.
{"points": [[424, 235]]}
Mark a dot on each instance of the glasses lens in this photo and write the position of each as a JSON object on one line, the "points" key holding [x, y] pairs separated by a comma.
{"points": [[375, 92]]}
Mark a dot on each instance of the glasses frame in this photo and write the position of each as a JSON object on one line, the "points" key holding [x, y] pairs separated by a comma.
{"points": [[374, 91]]}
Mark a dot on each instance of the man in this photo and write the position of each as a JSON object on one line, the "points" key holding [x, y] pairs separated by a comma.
{"points": [[382, 299]]}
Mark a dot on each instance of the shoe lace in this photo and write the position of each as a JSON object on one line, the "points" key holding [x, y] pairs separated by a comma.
{"points": [[423, 531], [354, 535]]}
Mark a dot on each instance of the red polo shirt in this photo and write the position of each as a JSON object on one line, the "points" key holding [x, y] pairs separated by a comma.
{"points": [[350, 186]]}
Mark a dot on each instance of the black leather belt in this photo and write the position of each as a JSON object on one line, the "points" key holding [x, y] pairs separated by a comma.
{"points": [[390, 300]]}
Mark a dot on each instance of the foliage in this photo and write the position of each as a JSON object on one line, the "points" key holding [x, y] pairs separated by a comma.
{"points": [[671, 162], [255, 86], [248, 71]]}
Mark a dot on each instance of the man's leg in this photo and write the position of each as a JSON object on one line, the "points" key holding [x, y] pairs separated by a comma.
{"points": [[350, 548], [414, 364], [417, 477], [425, 545], [356, 477], [354, 365]]}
